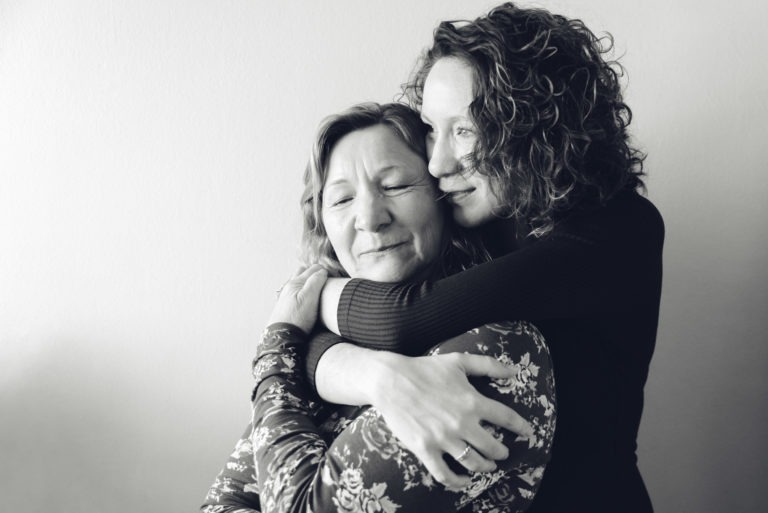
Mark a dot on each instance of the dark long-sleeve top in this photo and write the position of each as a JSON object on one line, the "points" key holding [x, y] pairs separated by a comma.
{"points": [[592, 286]]}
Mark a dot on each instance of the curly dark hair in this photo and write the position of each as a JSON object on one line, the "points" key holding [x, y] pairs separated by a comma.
{"points": [[552, 124], [462, 249]]}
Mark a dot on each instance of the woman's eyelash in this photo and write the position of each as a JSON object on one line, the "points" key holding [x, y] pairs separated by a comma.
{"points": [[385, 188], [341, 201]]}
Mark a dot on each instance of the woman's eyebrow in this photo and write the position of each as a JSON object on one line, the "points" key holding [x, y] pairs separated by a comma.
{"points": [[458, 118], [335, 181], [392, 169]]}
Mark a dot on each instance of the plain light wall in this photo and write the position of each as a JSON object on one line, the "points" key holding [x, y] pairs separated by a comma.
{"points": [[150, 166]]}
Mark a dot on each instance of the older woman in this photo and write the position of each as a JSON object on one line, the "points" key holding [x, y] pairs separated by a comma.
{"points": [[530, 145], [372, 211]]}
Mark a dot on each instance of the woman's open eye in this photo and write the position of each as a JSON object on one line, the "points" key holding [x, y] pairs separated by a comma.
{"points": [[463, 131]]}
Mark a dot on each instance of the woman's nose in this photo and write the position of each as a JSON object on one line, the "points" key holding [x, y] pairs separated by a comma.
{"points": [[442, 161], [371, 212]]}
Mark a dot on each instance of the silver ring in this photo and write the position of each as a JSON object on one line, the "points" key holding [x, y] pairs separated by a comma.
{"points": [[464, 453]]}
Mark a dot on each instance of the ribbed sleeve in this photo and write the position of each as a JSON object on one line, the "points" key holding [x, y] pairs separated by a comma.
{"points": [[594, 263], [319, 343]]}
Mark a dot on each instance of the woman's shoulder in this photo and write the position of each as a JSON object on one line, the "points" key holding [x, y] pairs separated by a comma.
{"points": [[627, 216]]}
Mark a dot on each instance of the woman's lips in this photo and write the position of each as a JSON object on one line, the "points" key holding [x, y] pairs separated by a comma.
{"points": [[458, 196], [381, 249]]}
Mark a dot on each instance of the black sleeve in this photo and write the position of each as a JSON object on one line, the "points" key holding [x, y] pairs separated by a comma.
{"points": [[594, 262], [319, 342]]}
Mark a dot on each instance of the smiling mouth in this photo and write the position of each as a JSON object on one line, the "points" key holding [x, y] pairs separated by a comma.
{"points": [[381, 249], [456, 196]]}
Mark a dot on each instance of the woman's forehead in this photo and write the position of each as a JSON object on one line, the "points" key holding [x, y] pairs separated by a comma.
{"points": [[376, 150], [448, 90]]}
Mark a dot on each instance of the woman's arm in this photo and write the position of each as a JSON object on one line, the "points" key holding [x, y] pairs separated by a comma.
{"points": [[366, 467], [426, 402], [329, 302], [296, 470], [235, 489], [599, 261]]}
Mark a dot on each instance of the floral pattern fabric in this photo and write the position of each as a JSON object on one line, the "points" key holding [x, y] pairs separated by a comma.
{"points": [[302, 455]]}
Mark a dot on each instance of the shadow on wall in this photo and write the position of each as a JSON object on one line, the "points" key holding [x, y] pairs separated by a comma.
{"points": [[702, 437], [76, 423]]}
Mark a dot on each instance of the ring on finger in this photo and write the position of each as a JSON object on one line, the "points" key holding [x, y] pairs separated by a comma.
{"points": [[464, 453]]}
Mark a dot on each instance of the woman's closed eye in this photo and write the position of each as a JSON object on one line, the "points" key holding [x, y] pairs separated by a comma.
{"points": [[340, 200], [395, 188]]}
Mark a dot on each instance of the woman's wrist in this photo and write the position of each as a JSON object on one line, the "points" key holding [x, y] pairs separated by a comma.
{"points": [[277, 351], [381, 376], [329, 302], [348, 374]]}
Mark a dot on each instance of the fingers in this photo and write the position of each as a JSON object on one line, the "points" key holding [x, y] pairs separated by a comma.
{"points": [[439, 469], [463, 453], [303, 272], [298, 281], [503, 416], [315, 281], [479, 365], [307, 285], [472, 459], [298, 300], [486, 449], [494, 411]]}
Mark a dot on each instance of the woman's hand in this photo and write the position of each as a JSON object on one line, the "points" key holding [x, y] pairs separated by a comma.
{"points": [[433, 409], [299, 298]]}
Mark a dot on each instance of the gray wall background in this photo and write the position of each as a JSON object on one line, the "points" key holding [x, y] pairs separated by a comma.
{"points": [[150, 162]]}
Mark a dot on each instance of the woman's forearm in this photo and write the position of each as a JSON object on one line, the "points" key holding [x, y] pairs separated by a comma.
{"points": [[235, 489], [329, 302], [349, 374], [295, 468], [365, 469], [595, 262]]}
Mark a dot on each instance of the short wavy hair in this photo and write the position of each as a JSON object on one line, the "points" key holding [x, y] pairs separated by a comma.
{"points": [[552, 124], [461, 250]]}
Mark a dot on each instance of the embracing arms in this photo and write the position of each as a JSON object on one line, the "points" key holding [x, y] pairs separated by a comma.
{"points": [[365, 465], [594, 262]]}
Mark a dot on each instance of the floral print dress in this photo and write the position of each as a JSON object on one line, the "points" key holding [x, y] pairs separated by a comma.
{"points": [[302, 455]]}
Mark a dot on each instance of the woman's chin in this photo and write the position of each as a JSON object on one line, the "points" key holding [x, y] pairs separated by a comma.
{"points": [[392, 271], [385, 275], [468, 217]]}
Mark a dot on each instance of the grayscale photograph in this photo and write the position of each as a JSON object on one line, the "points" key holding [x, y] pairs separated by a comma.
{"points": [[383, 257]]}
